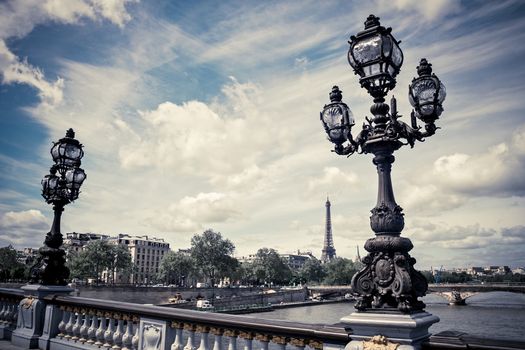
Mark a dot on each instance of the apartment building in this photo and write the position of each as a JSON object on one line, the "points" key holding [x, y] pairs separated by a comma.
{"points": [[146, 254]]}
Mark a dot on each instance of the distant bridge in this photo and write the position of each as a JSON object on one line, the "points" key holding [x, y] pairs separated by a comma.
{"points": [[454, 293]]}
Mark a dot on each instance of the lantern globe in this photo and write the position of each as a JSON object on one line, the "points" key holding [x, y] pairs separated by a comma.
{"points": [[337, 118], [376, 57], [67, 152], [426, 93]]}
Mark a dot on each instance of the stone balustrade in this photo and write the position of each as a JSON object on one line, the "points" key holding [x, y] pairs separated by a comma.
{"points": [[57, 321], [9, 301], [94, 324], [84, 323]]}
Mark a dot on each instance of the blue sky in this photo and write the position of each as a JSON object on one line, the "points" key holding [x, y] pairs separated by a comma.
{"points": [[200, 115]]}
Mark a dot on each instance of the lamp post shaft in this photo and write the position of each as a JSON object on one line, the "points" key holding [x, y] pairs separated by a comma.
{"points": [[387, 217], [54, 238]]}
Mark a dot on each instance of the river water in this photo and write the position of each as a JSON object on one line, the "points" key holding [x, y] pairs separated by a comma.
{"points": [[490, 315]]}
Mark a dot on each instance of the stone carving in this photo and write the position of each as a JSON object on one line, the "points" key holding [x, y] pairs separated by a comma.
{"points": [[387, 219], [26, 313], [151, 337], [379, 342]]}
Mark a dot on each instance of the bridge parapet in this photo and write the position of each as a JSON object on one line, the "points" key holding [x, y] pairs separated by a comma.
{"points": [[68, 322]]}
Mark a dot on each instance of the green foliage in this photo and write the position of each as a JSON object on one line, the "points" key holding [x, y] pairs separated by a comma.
{"points": [[98, 256], [270, 268], [176, 268], [312, 271], [10, 267], [454, 277], [339, 271], [212, 255]]}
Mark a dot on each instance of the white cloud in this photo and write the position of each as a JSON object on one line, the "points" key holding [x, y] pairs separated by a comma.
{"points": [[191, 214], [428, 10], [332, 180], [429, 199], [19, 19], [21, 227], [498, 172], [192, 138]]}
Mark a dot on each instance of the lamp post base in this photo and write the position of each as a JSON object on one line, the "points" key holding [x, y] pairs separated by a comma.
{"points": [[407, 331], [34, 321]]}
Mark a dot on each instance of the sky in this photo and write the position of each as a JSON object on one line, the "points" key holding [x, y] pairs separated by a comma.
{"points": [[197, 115]]}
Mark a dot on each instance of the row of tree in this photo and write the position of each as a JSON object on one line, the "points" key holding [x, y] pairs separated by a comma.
{"points": [[209, 260]]}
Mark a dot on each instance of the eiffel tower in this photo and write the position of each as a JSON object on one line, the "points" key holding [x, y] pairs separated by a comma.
{"points": [[328, 252]]}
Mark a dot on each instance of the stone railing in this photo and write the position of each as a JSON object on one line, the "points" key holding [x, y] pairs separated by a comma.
{"points": [[9, 301], [83, 323], [91, 323], [57, 321]]}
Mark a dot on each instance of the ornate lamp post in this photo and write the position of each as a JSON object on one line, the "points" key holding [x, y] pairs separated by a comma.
{"points": [[388, 279], [59, 188]]}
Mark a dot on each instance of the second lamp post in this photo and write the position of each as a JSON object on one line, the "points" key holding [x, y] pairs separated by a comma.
{"points": [[388, 279]]}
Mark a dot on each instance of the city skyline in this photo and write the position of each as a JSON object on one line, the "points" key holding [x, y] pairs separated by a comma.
{"points": [[198, 116]]}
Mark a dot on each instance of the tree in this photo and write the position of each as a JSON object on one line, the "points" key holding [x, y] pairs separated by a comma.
{"points": [[175, 268], [339, 271], [121, 262], [270, 268], [212, 254], [10, 267], [98, 256], [312, 271]]}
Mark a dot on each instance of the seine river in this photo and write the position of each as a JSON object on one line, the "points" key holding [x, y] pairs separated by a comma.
{"points": [[494, 314]]}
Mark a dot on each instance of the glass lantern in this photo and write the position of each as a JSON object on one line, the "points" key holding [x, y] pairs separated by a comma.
{"points": [[74, 178], [375, 56], [50, 186], [67, 151], [337, 118], [426, 93]]}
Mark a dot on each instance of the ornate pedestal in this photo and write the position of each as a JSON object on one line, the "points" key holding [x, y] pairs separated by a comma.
{"points": [[399, 331], [32, 320]]}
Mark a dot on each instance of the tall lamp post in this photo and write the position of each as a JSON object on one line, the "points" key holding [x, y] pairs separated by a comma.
{"points": [[388, 280], [59, 188]]}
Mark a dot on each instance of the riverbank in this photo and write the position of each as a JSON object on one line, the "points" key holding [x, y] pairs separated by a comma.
{"points": [[258, 308]]}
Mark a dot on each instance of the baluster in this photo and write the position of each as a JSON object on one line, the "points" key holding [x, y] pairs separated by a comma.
{"points": [[299, 343], [92, 330], [177, 343], [280, 341], [15, 315], [263, 339], [101, 330], [108, 335], [76, 327], [117, 337], [135, 339], [84, 328], [128, 335], [7, 315], [232, 334], [248, 340], [2, 312], [217, 339], [190, 328], [69, 326], [204, 331], [62, 324]]}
